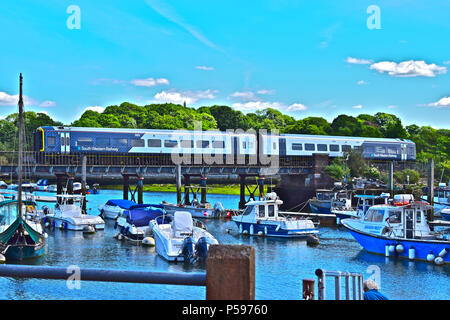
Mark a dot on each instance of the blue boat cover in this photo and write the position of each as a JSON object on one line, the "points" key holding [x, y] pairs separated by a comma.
{"points": [[124, 204], [141, 215]]}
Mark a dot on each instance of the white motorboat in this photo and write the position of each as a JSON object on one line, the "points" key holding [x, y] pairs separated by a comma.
{"points": [[52, 188], [114, 208], [68, 215], [196, 209], [263, 218], [182, 239]]}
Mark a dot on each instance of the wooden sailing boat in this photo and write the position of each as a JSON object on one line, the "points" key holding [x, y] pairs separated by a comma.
{"points": [[19, 238]]}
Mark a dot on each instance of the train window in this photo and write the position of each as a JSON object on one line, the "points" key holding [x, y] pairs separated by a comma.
{"points": [[187, 144], [322, 147], [202, 143], [380, 149], [392, 150], [346, 148], [170, 143], [120, 142], [51, 141], [334, 147], [137, 143], [310, 147], [154, 143], [218, 144], [357, 148], [103, 142], [274, 146], [297, 147], [84, 142]]}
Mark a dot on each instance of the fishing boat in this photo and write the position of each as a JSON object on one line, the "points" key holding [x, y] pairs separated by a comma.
{"points": [[20, 238], [364, 202], [264, 219], [134, 222], [400, 231], [321, 203], [196, 209], [181, 239], [68, 215], [114, 208]]}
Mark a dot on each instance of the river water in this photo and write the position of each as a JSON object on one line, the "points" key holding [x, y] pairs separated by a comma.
{"points": [[281, 264]]}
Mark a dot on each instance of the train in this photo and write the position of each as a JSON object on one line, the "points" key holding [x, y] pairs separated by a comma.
{"points": [[162, 147]]}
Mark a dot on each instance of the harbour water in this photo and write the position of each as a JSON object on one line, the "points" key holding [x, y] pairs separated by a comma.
{"points": [[281, 264]]}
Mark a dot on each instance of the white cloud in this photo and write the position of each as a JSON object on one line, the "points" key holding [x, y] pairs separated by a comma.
{"points": [[443, 102], [186, 96], [297, 107], [98, 109], [409, 68], [361, 82], [205, 68], [265, 91], [244, 95], [149, 82], [357, 107], [392, 107], [256, 105], [358, 61], [12, 100]]}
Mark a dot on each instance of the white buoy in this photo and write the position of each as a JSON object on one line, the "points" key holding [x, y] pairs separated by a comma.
{"points": [[439, 261], [386, 251], [148, 241], [399, 248], [2, 258], [245, 232], [88, 230], [430, 257], [260, 233], [411, 253]]}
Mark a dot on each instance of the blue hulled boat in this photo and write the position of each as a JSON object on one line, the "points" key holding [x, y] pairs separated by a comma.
{"points": [[400, 231], [263, 218]]}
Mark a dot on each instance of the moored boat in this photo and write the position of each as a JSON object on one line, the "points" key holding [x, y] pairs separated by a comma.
{"points": [[364, 202], [263, 218], [400, 231], [196, 209], [114, 208], [181, 239]]}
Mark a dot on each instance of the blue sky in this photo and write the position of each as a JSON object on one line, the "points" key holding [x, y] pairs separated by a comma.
{"points": [[304, 58]]}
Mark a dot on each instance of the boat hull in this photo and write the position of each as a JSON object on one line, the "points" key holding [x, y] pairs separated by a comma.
{"points": [[29, 252], [377, 245], [320, 207], [67, 225], [272, 230]]}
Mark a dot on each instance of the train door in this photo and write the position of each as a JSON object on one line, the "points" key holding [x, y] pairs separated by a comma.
{"points": [[64, 139], [282, 147], [404, 155]]}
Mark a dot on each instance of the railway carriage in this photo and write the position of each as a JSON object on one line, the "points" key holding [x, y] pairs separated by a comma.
{"points": [[108, 146]]}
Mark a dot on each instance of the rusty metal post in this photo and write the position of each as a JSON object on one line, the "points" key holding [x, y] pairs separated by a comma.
{"points": [[308, 289], [126, 186], [242, 201], [83, 183], [203, 189], [230, 272]]}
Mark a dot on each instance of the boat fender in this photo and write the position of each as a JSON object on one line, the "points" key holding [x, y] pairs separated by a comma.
{"points": [[245, 232], [260, 233], [443, 252], [399, 248], [386, 250], [430, 257], [439, 261], [148, 241], [411, 253], [391, 248]]}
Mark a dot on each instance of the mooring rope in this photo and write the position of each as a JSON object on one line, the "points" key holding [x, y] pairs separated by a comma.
{"points": [[304, 202]]}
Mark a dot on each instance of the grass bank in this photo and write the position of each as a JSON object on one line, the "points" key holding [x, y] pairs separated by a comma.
{"points": [[233, 189]]}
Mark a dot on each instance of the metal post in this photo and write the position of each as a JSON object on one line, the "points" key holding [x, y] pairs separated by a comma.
{"points": [[347, 287], [230, 272], [361, 291], [83, 182], [59, 185], [354, 287], [261, 187], [140, 190], [337, 287], [391, 177], [70, 188], [321, 284]]}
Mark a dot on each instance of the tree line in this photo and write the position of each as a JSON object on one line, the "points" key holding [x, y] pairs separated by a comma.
{"points": [[430, 142]]}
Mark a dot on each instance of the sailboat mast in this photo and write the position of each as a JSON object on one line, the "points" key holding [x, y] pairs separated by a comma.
{"points": [[20, 160]]}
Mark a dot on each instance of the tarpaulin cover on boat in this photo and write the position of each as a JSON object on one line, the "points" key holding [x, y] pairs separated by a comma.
{"points": [[124, 204], [6, 235], [141, 215]]}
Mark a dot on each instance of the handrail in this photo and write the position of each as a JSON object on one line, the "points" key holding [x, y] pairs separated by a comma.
{"points": [[357, 284]]}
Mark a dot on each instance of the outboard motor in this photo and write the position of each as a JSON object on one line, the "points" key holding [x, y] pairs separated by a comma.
{"points": [[45, 210], [201, 248], [218, 209], [188, 250]]}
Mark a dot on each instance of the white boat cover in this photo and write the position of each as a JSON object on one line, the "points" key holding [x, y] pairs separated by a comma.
{"points": [[182, 224]]}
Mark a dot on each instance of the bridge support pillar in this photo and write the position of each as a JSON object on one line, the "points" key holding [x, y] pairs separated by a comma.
{"points": [[391, 177], [178, 182], [242, 201], [59, 185], [187, 186], [70, 187], [261, 187], [140, 190], [203, 189], [126, 186]]}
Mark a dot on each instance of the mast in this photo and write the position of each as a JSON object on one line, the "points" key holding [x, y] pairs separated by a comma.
{"points": [[20, 160]]}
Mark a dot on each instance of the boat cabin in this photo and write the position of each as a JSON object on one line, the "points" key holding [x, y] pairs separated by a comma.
{"points": [[367, 201], [263, 210], [409, 221], [324, 195]]}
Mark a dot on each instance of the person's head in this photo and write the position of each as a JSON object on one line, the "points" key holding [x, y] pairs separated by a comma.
{"points": [[370, 285]]}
